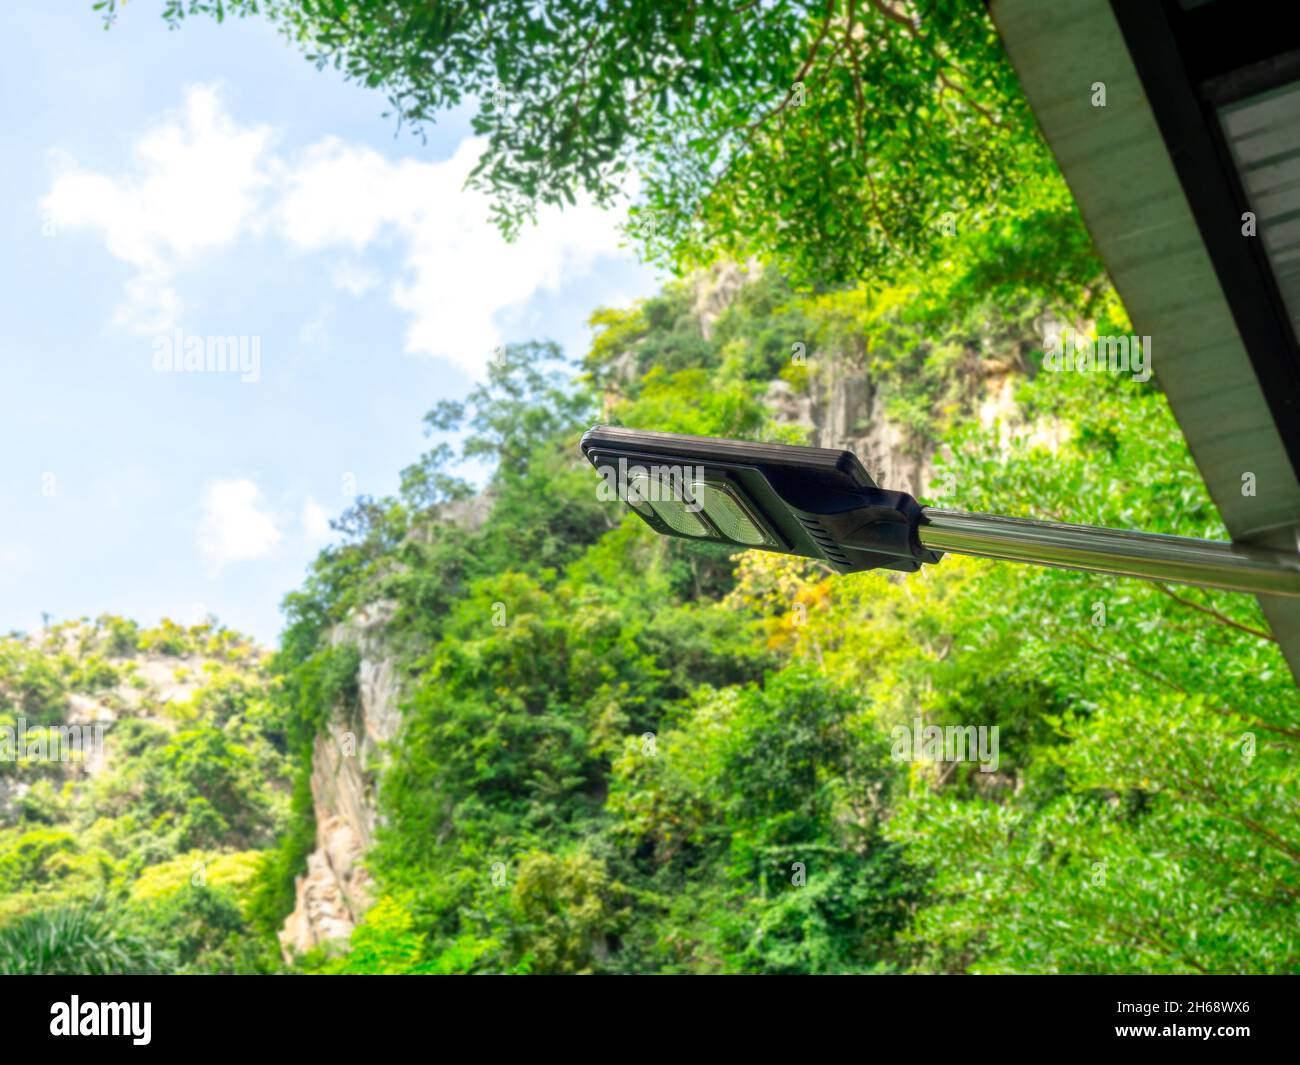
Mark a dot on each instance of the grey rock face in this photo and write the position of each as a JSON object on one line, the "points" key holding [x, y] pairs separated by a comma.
{"points": [[335, 892]]}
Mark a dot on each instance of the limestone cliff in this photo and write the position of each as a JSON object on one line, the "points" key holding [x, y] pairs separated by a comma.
{"points": [[334, 892], [88, 682], [843, 406]]}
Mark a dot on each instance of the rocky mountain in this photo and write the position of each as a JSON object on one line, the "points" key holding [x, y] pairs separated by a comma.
{"points": [[346, 758], [135, 762], [839, 403]]}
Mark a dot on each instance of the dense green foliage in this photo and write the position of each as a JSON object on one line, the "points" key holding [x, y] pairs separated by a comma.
{"points": [[146, 852], [621, 753], [630, 754]]}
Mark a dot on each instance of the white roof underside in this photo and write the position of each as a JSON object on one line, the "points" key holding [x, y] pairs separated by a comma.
{"points": [[1118, 167]]}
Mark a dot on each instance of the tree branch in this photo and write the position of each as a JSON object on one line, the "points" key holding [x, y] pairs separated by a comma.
{"points": [[1222, 711], [1210, 611]]}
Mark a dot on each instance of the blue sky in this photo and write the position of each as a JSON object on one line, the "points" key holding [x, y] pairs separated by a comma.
{"points": [[211, 180]]}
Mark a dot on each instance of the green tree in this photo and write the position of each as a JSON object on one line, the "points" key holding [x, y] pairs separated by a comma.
{"points": [[840, 139]]}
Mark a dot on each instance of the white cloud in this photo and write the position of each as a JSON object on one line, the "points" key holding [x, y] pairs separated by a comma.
{"points": [[152, 305], [315, 333], [316, 522], [195, 186], [459, 272], [202, 181], [234, 526], [354, 278]]}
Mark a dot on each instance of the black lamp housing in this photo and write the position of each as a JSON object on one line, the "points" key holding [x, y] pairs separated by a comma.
{"points": [[815, 502]]}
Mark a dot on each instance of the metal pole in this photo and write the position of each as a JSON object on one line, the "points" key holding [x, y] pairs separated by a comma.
{"points": [[1211, 563]]}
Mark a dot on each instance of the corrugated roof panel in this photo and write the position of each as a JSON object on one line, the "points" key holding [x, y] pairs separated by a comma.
{"points": [[1263, 134], [1122, 175]]}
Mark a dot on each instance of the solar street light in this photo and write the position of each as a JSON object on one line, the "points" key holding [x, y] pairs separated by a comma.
{"points": [[821, 503]]}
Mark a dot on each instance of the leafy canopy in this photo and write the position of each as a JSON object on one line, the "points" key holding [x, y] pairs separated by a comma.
{"points": [[840, 139]]}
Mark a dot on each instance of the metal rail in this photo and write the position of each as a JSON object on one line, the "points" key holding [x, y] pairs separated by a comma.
{"points": [[1181, 559]]}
